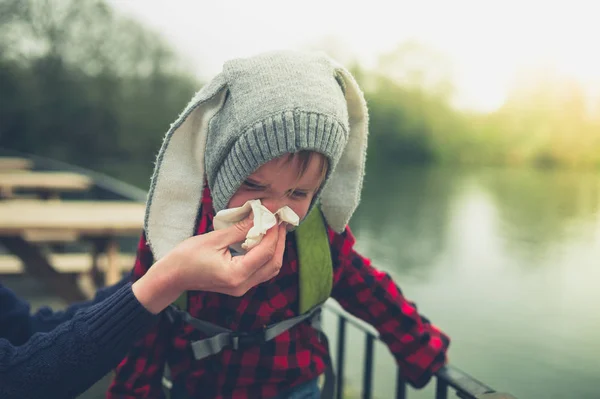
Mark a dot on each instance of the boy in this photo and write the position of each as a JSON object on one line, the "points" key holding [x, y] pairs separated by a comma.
{"points": [[289, 129]]}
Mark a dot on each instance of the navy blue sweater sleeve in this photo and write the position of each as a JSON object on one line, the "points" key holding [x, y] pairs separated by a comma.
{"points": [[17, 325], [45, 319], [68, 360]]}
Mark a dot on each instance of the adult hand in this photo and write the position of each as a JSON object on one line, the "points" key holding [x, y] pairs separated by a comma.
{"points": [[204, 263]]}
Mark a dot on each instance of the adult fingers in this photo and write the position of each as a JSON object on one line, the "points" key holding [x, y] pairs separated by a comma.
{"points": [[256, 265], [260, 254], [277, 258], [234, 233], [272, 267]]}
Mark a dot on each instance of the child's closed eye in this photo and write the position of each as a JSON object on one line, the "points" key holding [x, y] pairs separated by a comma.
{"points": [[299, 194], [250, 185]]}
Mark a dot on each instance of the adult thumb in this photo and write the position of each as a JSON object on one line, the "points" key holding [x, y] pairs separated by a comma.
{"points": [[238, 231]]}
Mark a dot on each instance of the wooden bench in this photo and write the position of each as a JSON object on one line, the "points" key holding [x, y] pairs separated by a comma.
{"points": [[50, 237], [46, 184], [15, 163], [100, 223], [72, 263]]}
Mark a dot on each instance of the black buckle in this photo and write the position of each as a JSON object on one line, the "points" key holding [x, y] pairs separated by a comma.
{"points": [[173, 314], [246, 339]]}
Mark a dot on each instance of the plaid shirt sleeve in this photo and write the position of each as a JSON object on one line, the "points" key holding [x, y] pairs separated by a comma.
{"points": [[371, 295], [140, 373]]}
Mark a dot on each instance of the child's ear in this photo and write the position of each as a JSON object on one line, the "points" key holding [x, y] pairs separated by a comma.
{"points": [[177, 183]]}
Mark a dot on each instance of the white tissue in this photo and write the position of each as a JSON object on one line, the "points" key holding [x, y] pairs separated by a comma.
{"points": [[263, 221]]}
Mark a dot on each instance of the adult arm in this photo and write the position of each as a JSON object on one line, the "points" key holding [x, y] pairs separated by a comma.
{"points": [[17, 324], [74, 355]]}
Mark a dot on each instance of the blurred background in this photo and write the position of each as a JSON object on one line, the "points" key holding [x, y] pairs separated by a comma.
{"points": [[482, 191]]}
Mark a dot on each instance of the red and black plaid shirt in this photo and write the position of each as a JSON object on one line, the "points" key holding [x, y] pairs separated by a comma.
{"points": [[294, 357]]}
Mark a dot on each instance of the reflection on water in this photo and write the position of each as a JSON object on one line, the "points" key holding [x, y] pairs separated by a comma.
{"points": [[505, 261]]}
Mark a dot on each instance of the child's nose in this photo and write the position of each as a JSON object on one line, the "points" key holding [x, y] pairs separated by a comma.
{"points": [[273, 204]]}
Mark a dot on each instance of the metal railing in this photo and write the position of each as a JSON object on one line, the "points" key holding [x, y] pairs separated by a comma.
{"points": [[447, 379]]}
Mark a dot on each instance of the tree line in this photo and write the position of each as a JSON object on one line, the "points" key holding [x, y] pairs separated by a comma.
{"points": [[82, 84]]}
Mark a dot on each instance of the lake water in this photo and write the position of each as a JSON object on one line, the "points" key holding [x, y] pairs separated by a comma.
{"points": [[507, 262], [504, 261]]}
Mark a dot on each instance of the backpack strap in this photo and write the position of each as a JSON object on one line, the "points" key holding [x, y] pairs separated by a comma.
{"points": [[220, 337], [315, 265]]}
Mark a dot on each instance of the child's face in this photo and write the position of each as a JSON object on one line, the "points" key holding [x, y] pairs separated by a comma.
{"points": [[277, 184]]}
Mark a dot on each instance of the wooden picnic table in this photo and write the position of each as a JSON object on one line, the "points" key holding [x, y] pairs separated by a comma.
{"points": [[100, 222], [49, 184], [15, 163]]}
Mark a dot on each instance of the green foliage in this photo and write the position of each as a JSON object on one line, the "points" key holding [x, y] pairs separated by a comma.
{"points": [[411, 119], [545, 122], [81, 84]]}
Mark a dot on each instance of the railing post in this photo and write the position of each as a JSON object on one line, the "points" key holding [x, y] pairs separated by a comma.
{"points": [[368, 374], [441, 389], [341, 348], [400, 386]]}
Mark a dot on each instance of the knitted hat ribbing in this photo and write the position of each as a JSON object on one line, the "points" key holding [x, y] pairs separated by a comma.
{"points": [[277, 103]]}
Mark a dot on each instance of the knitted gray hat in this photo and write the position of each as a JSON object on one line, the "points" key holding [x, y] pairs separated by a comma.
{"points": [[255, 110]]}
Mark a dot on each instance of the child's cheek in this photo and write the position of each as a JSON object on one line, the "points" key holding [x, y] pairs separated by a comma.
{"points": [[239, 199], [301, 208]]}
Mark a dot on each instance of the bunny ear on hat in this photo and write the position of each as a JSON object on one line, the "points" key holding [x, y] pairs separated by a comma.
{"points": [[177, 183], [341, 195]]}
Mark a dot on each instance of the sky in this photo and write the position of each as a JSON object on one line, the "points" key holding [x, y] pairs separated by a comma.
{"points": [[487, 41]]}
